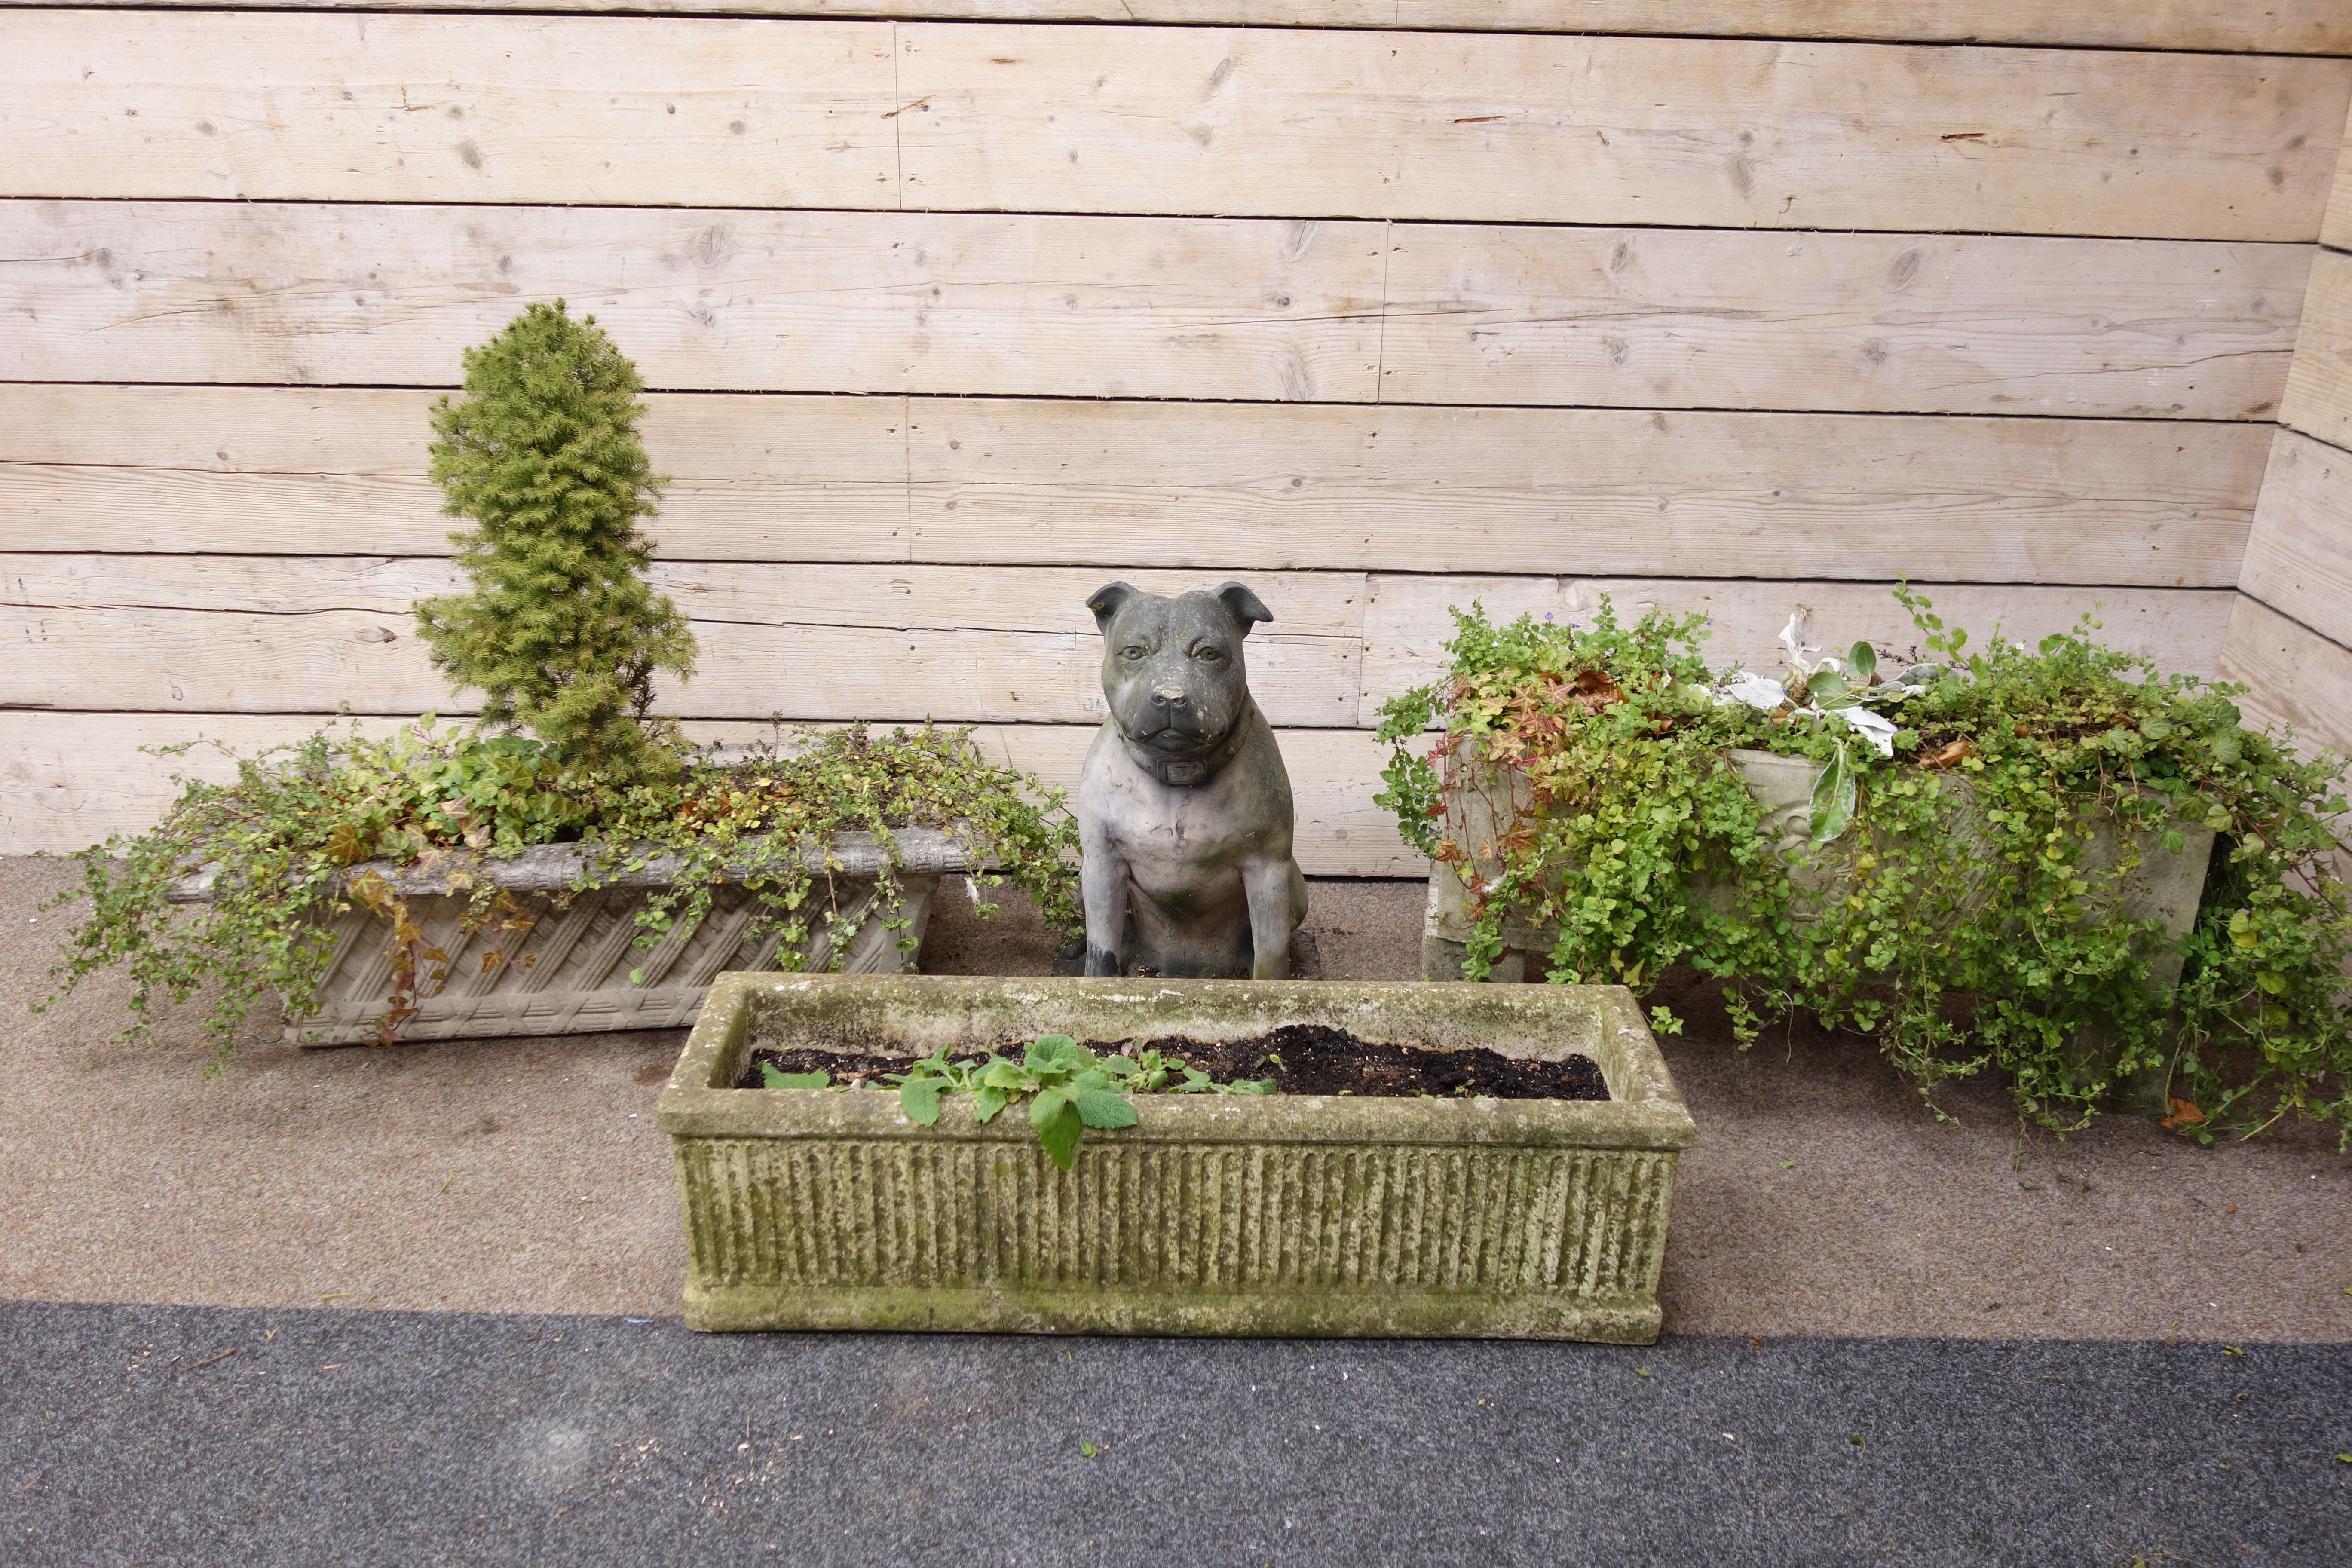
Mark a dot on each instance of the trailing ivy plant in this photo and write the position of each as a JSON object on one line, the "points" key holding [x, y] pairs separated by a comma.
{"points": [[1959, 891], [309, 831], [1068, 1088]]}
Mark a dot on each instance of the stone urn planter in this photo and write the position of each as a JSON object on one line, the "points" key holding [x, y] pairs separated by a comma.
{"points": [[570, 973], [2165, 887], [1287, 1215]]}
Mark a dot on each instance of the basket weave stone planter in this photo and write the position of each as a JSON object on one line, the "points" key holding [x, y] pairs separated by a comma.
{"points": [[1217, 1214], [571, 973]]}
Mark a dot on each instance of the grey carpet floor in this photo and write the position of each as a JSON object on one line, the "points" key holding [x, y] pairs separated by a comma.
{"points": [[351, 1436]]}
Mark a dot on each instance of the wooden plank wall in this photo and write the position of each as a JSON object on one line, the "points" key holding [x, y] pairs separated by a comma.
{"points": [[953, 309], [2290, 636]]}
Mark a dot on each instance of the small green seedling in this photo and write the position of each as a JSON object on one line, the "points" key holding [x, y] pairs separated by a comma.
{"points": [[1068, 1088], [1088, 1450]]}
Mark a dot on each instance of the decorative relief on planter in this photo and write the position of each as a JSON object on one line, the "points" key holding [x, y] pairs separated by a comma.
{"points": [[571, 973], [2165, 887], [1292, 1215]]}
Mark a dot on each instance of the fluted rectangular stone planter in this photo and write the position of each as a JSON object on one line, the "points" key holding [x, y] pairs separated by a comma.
{"points": [[571, 973], [1291, 1215]]}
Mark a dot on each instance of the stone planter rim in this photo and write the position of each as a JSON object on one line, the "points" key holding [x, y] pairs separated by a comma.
{"points": [[554, 867], [1645, 1110]]}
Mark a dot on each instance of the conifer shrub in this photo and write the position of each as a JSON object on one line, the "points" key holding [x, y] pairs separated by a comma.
{"points": [[562, 634]]}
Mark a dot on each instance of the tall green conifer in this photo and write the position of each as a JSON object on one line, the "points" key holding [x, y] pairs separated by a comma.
{"points": [[561, 634]]}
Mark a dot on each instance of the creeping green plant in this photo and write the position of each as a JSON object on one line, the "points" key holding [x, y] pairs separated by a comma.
{"points": [[1977, 813]]}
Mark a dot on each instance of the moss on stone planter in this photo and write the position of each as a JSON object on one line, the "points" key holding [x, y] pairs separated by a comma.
{"points": [[1294, 1215]]}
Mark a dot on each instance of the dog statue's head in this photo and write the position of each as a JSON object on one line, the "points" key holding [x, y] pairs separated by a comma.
{"points": [[1173, 674]]}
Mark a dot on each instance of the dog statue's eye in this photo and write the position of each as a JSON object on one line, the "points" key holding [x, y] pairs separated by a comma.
{"points": [[1208, 655], [1130, 651]]}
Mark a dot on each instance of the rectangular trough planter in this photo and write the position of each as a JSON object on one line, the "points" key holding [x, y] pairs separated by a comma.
{"points": [[2165, 887], [1292, 1214], [570, 973]]}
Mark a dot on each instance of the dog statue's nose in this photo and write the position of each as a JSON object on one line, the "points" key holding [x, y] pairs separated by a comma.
{"points": [[1168, 697]]}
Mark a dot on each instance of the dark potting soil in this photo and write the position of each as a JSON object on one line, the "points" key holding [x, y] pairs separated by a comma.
{"points": [[1301, 1058]]}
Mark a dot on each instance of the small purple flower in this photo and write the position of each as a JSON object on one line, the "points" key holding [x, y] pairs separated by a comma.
{"points": [[1548, 618]]}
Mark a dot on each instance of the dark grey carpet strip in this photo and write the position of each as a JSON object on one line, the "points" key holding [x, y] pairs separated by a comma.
{"points": [[335, 1436]]}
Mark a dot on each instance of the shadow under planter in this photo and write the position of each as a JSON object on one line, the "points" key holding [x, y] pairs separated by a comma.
{"points": [[1215, 1215], [571, 972]]}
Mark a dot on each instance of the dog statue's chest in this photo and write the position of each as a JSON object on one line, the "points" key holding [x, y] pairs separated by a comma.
{"points": [[1169, 833]]}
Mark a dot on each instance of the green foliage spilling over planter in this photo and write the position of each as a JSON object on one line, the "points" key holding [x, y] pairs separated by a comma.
{"points": [[305, 829], [1959, 898], [561, 633]]}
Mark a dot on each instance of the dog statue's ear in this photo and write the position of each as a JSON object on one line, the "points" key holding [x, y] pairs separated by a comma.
{"points": [[1244, 604], [1107, 599]]}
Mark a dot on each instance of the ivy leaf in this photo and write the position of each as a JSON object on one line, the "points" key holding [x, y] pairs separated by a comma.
{"points": [[986, 1103], [1099, 1108], [1049, 1104], [348, 844], [1060, 1136], [919, 1099], [773, 1077], [1833, 799]]}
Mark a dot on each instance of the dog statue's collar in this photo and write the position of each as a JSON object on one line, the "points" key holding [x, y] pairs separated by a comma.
{"points": [[1200, 766]]}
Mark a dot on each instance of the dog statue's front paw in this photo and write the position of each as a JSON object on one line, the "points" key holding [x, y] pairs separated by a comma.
{"points": [[1101, 964]]}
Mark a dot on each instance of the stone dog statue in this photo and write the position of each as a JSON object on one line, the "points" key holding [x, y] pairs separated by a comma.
{"points": [[1184, 812]]}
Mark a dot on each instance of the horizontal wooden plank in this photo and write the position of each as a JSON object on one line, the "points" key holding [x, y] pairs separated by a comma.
{"points": [[2299, 556], [1046, 599], [1609, 492], [1110, 307], [254, 292], [2293, 676], [1406, 623], [1280, 124], [67, 780], [1703, 132], [1214, 486], [244, 634], [241, 105], [2283, 27], [1886, 322], [2319, 387], [310, 471], [277, 634]]}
